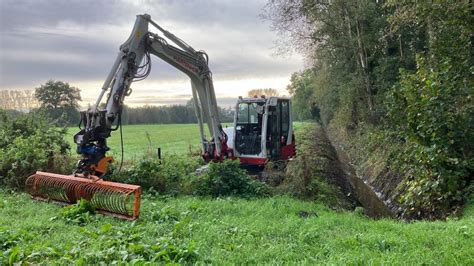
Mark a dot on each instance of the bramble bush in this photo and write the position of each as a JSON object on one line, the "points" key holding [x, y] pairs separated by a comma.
{"points": [[229, 179], [171, 175], [29, 143], [176, 175]]}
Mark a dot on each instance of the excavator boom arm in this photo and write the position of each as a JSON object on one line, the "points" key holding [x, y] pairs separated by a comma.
{"points": [[133, 63]]}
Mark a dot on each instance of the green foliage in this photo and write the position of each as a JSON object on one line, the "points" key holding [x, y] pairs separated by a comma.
{"points": [[28, 143], [312, 173], [432, 112], [302, 180], [301, 91], [59, 101], [171, 175], [55, 94], [176, 175], [125, 243], [228, 179], [405, 68], [79, 213], [437, 127]]}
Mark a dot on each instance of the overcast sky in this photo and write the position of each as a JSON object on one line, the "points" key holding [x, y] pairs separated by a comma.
{"points": [[77, 41]]}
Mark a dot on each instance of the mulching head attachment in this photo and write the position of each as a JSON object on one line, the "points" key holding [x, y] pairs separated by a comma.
{"points": [[116, 199]]}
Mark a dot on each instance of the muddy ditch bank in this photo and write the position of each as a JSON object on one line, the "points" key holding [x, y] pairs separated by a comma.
{"points": [[347, 178], [322, 172]]}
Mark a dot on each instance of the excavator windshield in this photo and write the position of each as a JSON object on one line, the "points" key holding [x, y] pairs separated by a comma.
{"points": [[249, 113], [249, 127]]}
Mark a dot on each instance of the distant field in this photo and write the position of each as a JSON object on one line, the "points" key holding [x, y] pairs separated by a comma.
{"points": [[172, 138], [140, 139]]}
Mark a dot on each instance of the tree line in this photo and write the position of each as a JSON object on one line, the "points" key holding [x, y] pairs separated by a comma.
{"points": [[59, 101], [401, 69], [169, 114], [18, 99]]}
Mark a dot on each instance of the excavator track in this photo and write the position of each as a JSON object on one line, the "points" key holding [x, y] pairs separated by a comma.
{"points": [[110, 198]]}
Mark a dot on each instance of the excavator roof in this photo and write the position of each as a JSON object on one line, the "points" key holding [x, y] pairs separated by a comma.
{"points": [[272, 99]]}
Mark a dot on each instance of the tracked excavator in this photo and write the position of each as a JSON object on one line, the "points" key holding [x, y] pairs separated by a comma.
{"points": [[261, 132]]}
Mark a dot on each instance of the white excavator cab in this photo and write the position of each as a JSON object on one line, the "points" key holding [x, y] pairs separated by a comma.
{"points": [[262, 131]]}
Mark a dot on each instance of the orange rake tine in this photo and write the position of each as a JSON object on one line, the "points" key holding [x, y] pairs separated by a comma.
{"points": [[111, 198]]}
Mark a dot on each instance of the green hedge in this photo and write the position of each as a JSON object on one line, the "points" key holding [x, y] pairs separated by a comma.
{"points": [[27, 144]]}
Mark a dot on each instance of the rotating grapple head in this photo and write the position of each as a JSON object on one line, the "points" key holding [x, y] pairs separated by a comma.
{"points": [[116, 199]]}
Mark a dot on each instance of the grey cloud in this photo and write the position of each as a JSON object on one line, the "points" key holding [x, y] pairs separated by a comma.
{"points": [[34, 47], [39, 57], [22, 13]]}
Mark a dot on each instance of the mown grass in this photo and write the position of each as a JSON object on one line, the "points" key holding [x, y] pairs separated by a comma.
{"points": [[229, 230]]}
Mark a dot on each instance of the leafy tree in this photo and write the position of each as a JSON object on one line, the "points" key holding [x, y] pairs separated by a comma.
{"points": [[301, 90], [432, 108], [59, 100], [57, 94], [268, 92], [342, 37], [403, 70]]}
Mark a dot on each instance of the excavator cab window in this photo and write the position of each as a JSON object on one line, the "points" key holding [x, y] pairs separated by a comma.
{"points": [[249, 127], [278, 126], [285, 118]]}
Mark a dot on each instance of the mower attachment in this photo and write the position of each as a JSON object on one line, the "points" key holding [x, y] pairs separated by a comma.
{"points": [[115, 199]]}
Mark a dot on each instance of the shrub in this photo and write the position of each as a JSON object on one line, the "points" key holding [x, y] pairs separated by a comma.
{"points": [[305, 180], [227, 179], [177, 175], [28, 143], [171, 175], [432, 111]]}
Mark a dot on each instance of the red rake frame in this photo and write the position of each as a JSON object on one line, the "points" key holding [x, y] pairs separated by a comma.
{"points": [[107, 197]]}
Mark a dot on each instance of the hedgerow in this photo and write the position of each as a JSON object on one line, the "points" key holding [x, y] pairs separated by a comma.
{"points": [[29, 143], [171, 175], [177, 175]]}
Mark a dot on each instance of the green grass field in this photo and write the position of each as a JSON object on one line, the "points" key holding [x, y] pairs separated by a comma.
{"points": [[142, 139]]}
